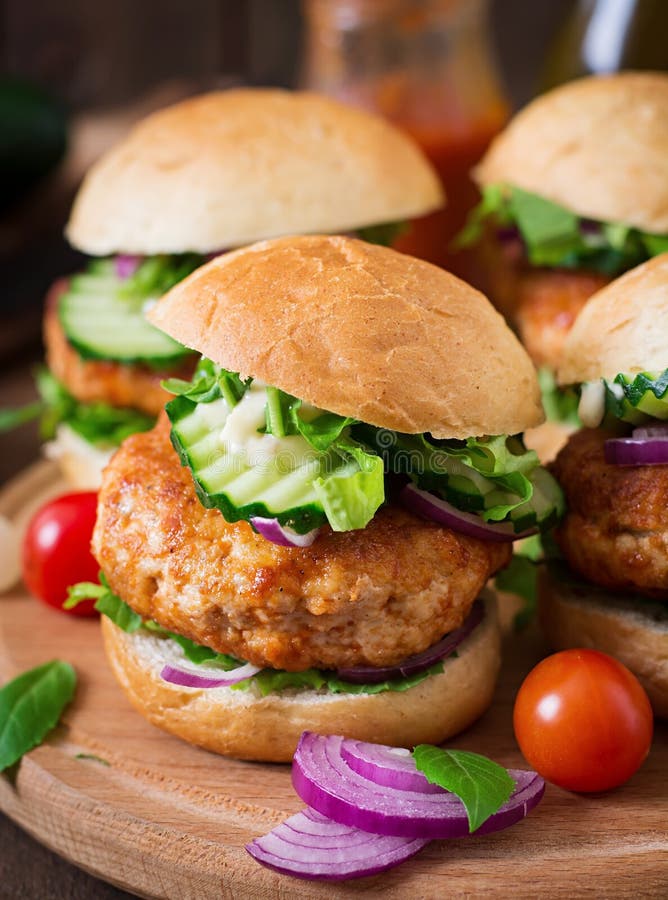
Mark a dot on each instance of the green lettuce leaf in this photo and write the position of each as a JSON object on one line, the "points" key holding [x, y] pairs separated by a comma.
{"points": [[271, 681], [482, 785], [554, 236], [98, 423], [155, 275], [209, 382], [30, 707], [350, 495], [106, 602], [385, 234], [520, 577], [560, 404]]}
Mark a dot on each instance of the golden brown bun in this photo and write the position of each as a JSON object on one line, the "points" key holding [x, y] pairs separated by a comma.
{"points": [[359, 330], [622, 328], [246, 725], [232, 167], [574, 615], [597, 146]]}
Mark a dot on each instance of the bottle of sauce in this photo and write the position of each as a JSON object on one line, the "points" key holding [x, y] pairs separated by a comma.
{"points": [[602, 36], [427, 66]]}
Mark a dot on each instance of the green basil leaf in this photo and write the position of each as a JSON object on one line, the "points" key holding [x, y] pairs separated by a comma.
{"points": [[30, 707], [482, 785]]}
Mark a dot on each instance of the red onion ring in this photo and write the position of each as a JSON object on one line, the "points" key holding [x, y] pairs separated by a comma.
{"points": [[309, 845], [273, 531], [420, 661], [126, 264], [325, 781], [207, 677], [647, 446], [386, 766], [432, 507]]}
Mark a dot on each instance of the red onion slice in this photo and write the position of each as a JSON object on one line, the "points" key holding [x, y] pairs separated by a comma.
{"points": [[388, 766], [309, 845], [273, 531], [325, 781], [638, 450], [432, 507], [126, 264], [207, 677], [420, 661]]}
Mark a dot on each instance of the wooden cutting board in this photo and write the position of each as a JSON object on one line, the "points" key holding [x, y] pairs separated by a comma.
{"points": [[164, 819]]}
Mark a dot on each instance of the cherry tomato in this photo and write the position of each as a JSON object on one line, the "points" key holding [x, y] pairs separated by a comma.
{"points": [[583, 720], [56, 550]]}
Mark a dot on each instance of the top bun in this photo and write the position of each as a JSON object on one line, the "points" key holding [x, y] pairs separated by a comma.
{"points": [[359, 330], [621, 328], [232, 167], [598, 146]]}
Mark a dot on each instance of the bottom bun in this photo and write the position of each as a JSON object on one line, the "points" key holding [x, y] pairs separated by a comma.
{"points": [[80, 462], [575, 614], [245, 725]]}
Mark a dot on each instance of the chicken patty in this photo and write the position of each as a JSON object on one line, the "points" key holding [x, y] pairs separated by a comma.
{"points": [[368, 597], [542, 304], [615, 532], [95, 380]]}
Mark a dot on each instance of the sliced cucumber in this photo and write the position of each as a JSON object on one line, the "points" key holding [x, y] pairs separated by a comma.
{"points": [[101, 322], [225, 480], [634, 399]]}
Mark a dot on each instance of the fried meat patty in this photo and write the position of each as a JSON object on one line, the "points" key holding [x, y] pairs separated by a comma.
{"points": [[615, 532], [369, 597], [96, 380], [542, 304]]}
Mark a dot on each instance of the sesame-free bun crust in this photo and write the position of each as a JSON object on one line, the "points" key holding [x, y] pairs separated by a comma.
{"points": [[231, 167], [621, 328], [575, 615], [245, 725], [598, 146], [359, 330]]}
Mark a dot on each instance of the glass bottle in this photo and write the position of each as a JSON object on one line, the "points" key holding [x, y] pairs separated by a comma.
{"points": [[608, 35], [427, 66]]}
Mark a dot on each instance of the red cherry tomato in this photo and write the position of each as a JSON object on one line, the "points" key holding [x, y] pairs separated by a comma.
{"points": [[583, 720], [56, 550]]}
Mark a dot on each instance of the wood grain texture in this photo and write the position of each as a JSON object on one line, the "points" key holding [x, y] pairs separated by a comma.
{"points": [[165, 819]]}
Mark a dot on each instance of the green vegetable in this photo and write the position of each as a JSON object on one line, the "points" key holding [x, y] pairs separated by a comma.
{"points": [[270, 681], [495, 477], [329, 478], [93, 758], [98, 423], [385, 234], [30, 707], [12, 418], [636, 399], [560, 405], [155, 275], [482, 785], [106, 602], [521, 578], [554, 236]]}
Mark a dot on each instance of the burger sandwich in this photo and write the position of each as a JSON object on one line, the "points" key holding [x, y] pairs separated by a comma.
{"points": [[303, 539], [610, 591], [575, 192], [210, 173]]}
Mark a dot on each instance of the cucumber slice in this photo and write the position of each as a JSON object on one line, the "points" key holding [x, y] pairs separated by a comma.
{"points": [[635, 399], [101, 322], [227, 480]]}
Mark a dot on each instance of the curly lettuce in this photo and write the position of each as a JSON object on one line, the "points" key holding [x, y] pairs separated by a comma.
{"points": [[555, 236]]}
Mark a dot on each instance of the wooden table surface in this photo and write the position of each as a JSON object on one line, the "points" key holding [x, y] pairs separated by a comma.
{"points": [[613, 845]]}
